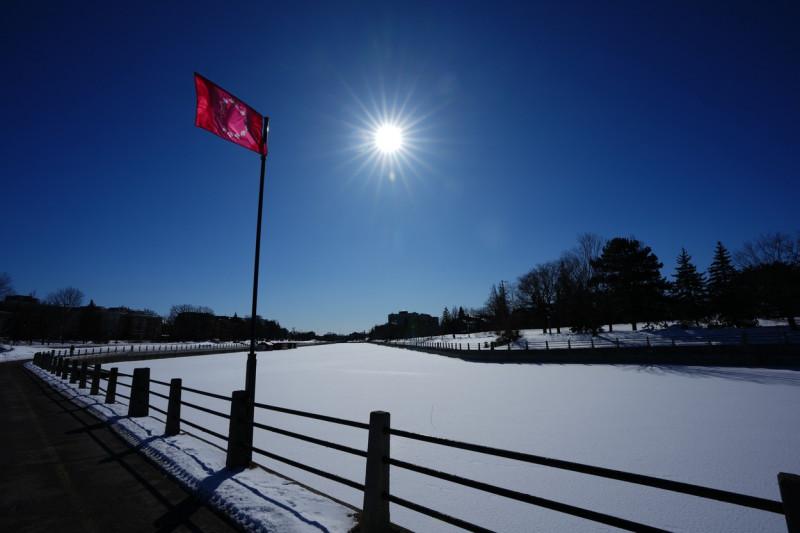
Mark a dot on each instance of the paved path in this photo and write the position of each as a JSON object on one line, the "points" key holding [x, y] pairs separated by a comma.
{"points": [[62, 470]]}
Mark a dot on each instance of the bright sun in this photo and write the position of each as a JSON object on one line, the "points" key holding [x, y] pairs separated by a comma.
{"points": [[388, 139]]}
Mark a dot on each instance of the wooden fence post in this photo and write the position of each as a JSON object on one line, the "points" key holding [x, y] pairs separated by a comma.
{"points": [[239, 452], [173, 426], [73, 377], [95, 388], [111, 389], [84, 368], [140, 393], [375, 513], [789, 485], [64, 369]]}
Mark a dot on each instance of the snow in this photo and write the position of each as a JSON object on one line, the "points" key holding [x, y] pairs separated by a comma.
{"points": [[722, 427], [256, 499]]}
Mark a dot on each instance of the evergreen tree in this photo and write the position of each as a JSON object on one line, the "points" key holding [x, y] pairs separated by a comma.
{"points": [[90, 327], [723, 305], [446, 321], [688, 291], [500, 314], [721, 272], [627, 274]]}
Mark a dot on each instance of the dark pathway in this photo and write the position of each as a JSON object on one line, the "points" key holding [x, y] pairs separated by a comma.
{"points": [[62, 470]]}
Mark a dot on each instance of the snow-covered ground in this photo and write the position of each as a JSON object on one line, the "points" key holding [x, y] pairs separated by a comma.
{"points": [[727, 428], [256, 499], [767, 332]]}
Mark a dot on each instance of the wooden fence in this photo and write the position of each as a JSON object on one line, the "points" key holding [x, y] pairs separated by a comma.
{"points": [[375, 514], [143, 349], [610, 341]]}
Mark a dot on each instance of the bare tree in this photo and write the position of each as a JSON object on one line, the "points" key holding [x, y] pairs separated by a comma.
{"points": [[66, 300], [769, 249], [538, 291], [588, 249], [6, 287], [175, 310], [771, 275]]}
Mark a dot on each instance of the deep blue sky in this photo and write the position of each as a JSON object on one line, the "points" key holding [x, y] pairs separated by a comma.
{"points": [[527, 124]]}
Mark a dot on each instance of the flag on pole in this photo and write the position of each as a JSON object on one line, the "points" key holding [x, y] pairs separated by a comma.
{"points": [[221, 113]]}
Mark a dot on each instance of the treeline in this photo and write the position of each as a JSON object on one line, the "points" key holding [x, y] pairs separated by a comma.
{"points": [[188, 322], [61, 316], [603, 282]]}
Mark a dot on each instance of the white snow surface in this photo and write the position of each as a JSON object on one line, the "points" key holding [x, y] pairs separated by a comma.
{"points": [[722, 427]]}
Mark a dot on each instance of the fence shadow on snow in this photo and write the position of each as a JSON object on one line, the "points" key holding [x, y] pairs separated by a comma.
{"points": [[378, 461]]}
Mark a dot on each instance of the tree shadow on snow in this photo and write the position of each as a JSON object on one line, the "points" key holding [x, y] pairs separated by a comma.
{"points": [[764, 376]]}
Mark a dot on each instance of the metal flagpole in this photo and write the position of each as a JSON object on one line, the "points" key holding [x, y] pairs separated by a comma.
{"points": [[250, 376], [250, 379]]}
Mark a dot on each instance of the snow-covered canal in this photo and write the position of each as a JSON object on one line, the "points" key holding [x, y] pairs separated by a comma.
{"points": [[728, 428]]}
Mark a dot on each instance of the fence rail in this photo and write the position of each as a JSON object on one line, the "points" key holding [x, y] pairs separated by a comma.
{"points": [[176, 348], [375, 515], [609, 341]]}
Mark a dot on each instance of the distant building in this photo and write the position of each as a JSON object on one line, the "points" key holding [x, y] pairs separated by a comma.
{"points": [[413, 324], [124, 323], [26, 318]]}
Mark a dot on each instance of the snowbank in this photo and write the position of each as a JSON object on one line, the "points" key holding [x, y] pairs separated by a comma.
{"points": [[257, 500]]}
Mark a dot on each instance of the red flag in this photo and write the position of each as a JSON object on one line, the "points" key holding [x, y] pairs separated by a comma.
{"points": [[221, 113]]}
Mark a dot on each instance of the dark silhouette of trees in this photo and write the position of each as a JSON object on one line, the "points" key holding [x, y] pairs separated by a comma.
{"points": [[176, 310], [770, 249], [537, 293], [581, 301], [687, 291], [6, 287], [627, 275], [66, 300], [770, 275], [446, 322], [499, 310], [91, 324], [725, 304]]}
